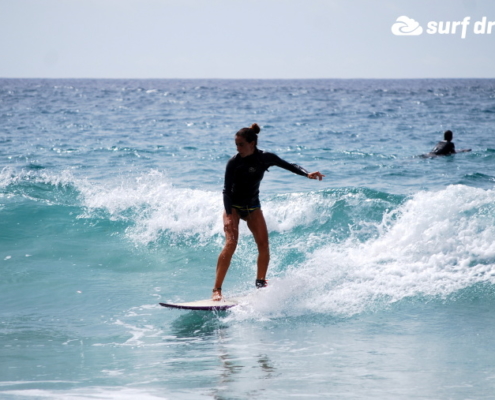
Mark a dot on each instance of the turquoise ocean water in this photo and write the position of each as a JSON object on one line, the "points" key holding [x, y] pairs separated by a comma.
{"points": [[382, 279]]}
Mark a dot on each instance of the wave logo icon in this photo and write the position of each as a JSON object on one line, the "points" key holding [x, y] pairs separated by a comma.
{"points": [[405, 26]]}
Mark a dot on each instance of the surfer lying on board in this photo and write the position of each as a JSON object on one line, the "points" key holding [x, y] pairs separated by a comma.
{"points": [[446, 147], [243, 176]]}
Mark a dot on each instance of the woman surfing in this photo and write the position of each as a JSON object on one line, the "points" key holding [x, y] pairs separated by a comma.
{"points": [[243, 176]]}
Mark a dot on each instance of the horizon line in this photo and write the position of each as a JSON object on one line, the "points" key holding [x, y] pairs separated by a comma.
{"points": [[242, 79]]}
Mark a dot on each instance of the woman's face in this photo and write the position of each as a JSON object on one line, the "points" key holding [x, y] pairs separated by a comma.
{"points": [[243, 147]]}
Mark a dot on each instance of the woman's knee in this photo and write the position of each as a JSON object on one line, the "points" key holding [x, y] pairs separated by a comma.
{"points": [[263, 244], [230, 245]]}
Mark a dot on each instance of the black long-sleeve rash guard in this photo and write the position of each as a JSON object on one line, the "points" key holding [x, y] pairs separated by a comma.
{"points": [[444, 148], [243, 177]]}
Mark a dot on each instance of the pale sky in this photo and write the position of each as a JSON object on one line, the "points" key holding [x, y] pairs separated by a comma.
{"points": [[243, 39]]}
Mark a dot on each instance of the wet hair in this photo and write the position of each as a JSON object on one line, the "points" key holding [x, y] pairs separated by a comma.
{"points": [[250, 134], [448, 135]]}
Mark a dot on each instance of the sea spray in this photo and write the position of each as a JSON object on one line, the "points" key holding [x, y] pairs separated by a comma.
{"points": [[434, 244]]}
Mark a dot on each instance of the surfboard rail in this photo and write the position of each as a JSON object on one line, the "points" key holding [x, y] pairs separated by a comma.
{"points": [[204, 305]]}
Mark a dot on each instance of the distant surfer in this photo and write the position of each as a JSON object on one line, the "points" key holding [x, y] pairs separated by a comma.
{"points": [[243, 176], [445, 147]]}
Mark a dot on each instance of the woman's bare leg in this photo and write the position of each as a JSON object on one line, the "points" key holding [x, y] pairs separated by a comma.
{"points": [[257, 225], [231, 228]]}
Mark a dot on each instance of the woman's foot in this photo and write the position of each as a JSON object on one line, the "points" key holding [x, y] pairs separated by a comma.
{"points": [[261, 283], [217, 294]]}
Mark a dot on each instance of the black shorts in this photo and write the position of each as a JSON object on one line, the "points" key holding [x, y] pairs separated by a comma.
{"points": [[244, 211]]}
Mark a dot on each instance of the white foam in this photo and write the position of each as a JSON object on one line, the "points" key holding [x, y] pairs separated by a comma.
{"points": [[6, 175], [435, 244], [10, 176], [87, 393], [285, 212], [154, 207]]}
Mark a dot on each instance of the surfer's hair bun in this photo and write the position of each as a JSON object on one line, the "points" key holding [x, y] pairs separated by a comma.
{"points": [[255, 127], [250, 134]]}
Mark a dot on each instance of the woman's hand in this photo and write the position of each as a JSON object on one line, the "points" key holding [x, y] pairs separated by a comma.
{"points": [[316, 175]]}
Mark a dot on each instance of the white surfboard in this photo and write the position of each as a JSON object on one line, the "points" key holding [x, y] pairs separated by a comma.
{"points": [[205, 305]]}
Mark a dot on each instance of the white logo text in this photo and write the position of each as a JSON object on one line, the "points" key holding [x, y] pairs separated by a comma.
{"points": [[405, 26]]}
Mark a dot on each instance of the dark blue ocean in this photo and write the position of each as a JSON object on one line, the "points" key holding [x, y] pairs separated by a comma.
{"points": [[382, 278]]}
